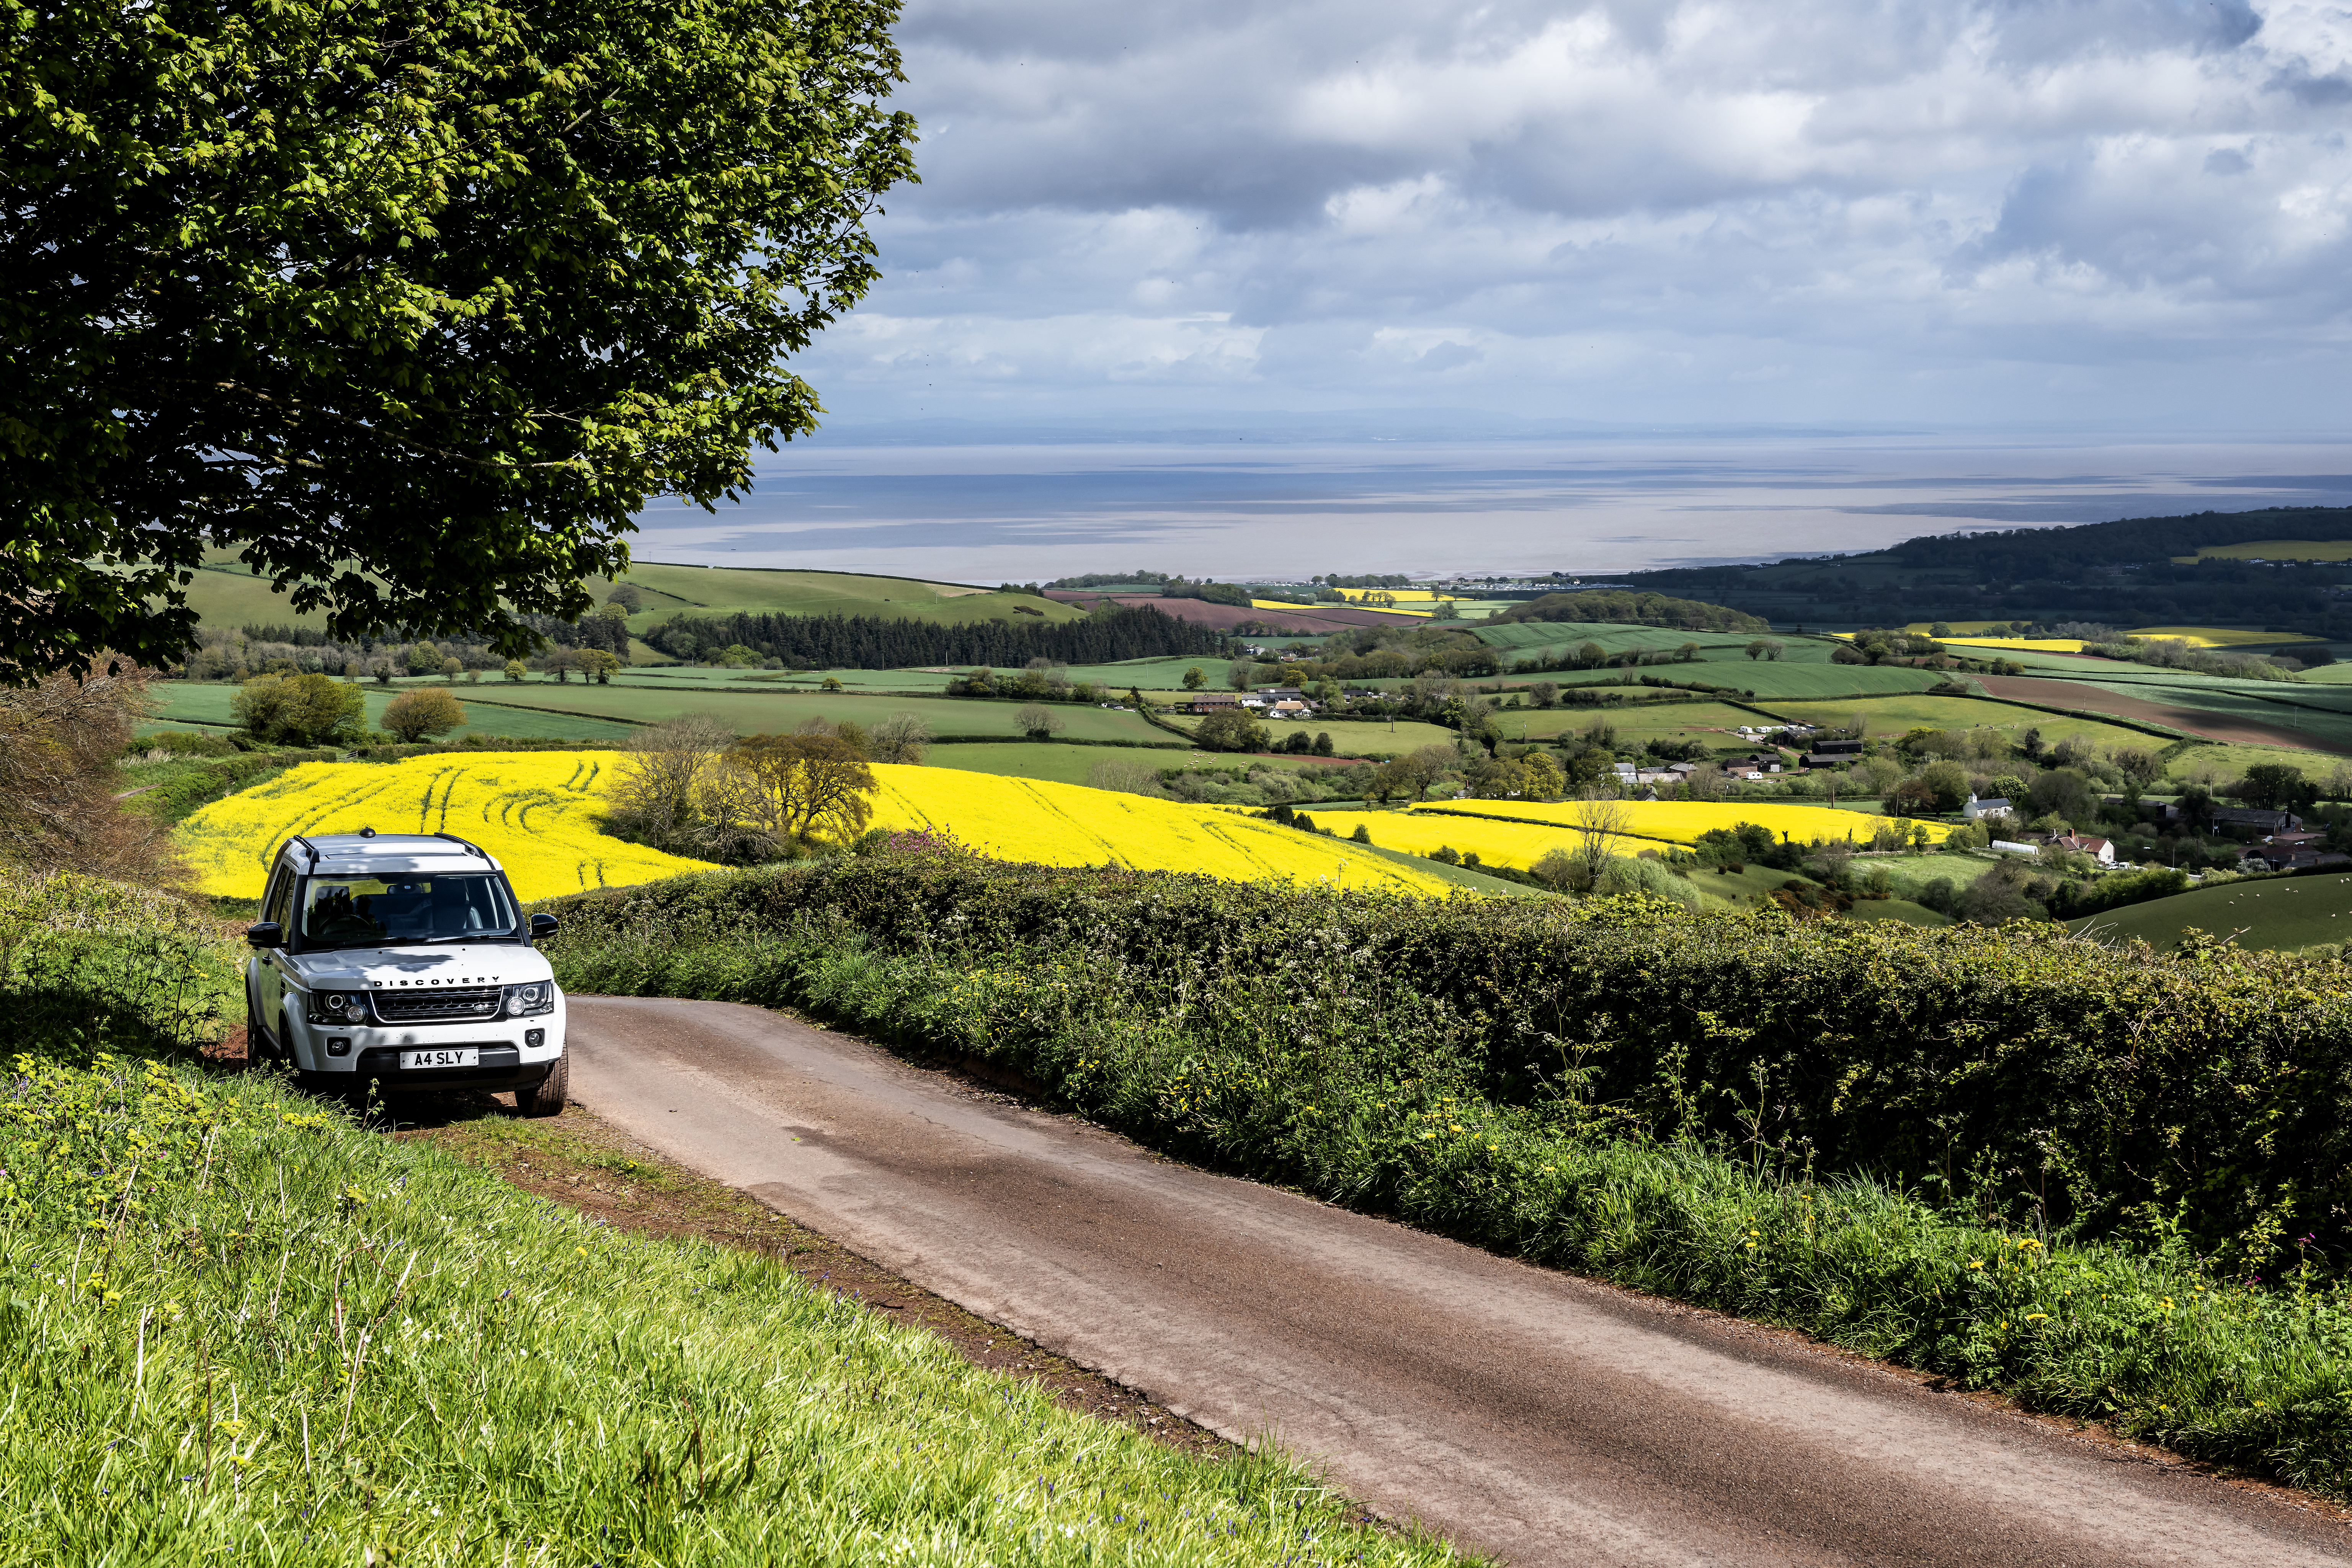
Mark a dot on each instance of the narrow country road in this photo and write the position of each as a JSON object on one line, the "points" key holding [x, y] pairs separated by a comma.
{"points": [[1525, 1413]]}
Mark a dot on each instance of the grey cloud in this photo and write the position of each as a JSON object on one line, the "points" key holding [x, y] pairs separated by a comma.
{"points": [[1823, 208]]}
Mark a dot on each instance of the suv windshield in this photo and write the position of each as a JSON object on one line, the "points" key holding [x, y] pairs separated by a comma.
{"points": [[377, 911]]}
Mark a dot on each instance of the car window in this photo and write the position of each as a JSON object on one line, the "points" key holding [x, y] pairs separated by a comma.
{"points": [[367, 911], [279, 901]]}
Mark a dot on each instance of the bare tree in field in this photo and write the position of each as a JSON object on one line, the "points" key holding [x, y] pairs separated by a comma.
{"points": [[1599, 821], [663, 772], [900, 738], [809, 785]]}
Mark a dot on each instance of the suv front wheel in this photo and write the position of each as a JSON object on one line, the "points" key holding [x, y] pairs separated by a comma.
{"points": [[546, 1096]]}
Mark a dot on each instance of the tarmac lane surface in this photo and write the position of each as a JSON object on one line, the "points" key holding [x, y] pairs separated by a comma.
{"points": [[1522, 1412]]}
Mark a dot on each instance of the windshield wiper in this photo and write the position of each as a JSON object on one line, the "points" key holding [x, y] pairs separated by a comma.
{"points": [[470, 936]]}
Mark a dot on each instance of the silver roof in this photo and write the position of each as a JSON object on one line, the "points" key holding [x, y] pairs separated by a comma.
{"points": [[352, 853]]}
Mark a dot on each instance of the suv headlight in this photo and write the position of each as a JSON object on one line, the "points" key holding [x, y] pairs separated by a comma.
{"points": [[538, 996], [339, 1007]]}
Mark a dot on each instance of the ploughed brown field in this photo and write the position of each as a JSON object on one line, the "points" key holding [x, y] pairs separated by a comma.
{"points": [[2201, 721]]}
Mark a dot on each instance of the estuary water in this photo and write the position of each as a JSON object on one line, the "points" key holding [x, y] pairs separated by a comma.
{"points": [[1239, 507]]}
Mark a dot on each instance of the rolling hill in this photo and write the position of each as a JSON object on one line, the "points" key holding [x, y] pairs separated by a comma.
{"points": [[2274, 914], [227, 594]]}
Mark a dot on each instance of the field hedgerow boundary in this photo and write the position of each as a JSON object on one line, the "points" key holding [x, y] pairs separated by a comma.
{"points": [[2095, 1180]]}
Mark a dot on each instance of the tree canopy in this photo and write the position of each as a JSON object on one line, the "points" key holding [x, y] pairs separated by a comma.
{"points": [[411, 305]]}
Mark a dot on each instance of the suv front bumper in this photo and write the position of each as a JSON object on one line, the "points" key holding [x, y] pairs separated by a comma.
{"points": [[345, 1054]]}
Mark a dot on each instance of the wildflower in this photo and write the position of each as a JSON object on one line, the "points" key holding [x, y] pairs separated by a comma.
{"points": [[1976, 1263], [2036, 1317]]}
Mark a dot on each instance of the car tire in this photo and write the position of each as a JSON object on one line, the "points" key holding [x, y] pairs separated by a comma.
{"points": [[546, 1096]]}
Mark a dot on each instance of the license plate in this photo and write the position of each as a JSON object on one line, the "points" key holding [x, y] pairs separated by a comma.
{"points": [[452, 1057]]}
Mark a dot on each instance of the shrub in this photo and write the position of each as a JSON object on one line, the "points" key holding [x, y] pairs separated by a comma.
{"points": [[1230, 730], [300, 710], [428, 710], [60, 790], [2021, 1072], [1038, 722]]}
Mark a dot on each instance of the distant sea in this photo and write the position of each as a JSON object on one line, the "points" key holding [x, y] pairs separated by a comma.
{"points": [[1220, 505]]}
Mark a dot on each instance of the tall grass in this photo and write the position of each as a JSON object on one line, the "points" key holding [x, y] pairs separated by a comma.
{"points": [[241, 1327], [1376, 1096]]}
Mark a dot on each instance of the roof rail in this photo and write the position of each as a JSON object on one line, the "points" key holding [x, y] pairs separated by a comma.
{"points": [[306, 844], [461, 844]]}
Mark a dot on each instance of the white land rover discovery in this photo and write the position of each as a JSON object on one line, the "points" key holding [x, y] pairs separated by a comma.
{"points": [[404, 959]]}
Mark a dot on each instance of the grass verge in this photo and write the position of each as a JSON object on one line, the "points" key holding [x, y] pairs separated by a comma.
{"points": [[245, 1326]]}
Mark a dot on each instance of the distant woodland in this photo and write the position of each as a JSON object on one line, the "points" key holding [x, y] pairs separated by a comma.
{"points": [[2124, 573], [865, 642]]}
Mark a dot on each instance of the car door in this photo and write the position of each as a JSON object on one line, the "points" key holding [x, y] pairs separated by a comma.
{"points": [[268, 979]]}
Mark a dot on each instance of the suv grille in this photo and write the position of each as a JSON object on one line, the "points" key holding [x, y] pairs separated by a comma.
{"points": [[448, 1007]]}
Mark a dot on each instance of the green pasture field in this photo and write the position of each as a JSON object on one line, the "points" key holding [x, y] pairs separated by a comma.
{"points": [[2275, 914], [724, 590], [1909, 873], [1720, 889], [1076, 764], [180, 704], [1148, 674], [1351, 737], [1893, 715], [928, 682], [1525, 637], [753, 711], [1780, 682], [225, 594], [1680, 721], [2231, 761]]}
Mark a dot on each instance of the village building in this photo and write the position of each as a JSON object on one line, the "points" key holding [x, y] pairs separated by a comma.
{"points": [[2099, 849]]}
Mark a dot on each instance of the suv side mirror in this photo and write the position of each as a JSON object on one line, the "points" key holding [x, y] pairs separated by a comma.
{"points": [[541, 926], [266, 933]]}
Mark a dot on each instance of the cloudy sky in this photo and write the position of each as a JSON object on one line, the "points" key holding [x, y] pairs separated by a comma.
{"points": [[2118, 214]]}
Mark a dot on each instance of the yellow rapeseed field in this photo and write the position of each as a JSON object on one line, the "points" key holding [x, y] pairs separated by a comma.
{"points": [[538, 811], [1517, 833], [2217, 636], [1682, 821], [1070, 824], [1513, 844], [1286, 605]]}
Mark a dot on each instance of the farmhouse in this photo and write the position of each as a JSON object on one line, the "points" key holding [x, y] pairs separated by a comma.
{"points": [[1977, 810], [2099, 849], [1210, 701]]}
